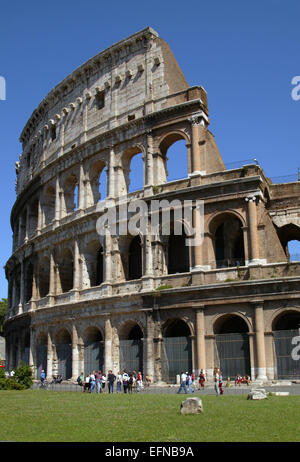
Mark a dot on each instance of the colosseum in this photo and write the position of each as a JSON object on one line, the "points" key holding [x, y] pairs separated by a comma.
{"points": [[79, 300]]}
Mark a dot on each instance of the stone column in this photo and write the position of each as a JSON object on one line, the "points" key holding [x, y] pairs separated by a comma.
{"points": [[40, 220], [260, 341], [197, 247], [76, 275], [49, 357], [22, 288], [32, 352], [108, 346], [252, 213], [57, 200], [52, 279], [20, 241], [81, 189], [198, 144], [75, 354], [200, 339], [149, 363], [111, 187], [148, 180]]}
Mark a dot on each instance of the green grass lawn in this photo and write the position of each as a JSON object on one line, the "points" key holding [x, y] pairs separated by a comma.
{"points": [[38, 415]]}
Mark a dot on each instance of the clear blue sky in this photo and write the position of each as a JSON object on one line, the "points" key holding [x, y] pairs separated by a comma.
{"points": [[245, 54]]}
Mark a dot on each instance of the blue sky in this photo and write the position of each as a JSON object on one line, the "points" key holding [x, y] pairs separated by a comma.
{"points": [[244, 54]]}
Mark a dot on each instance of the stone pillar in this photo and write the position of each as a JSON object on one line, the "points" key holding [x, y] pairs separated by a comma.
{"points": [[200, 339], [148, 180], [32, 352], [20, 241], [253, 233], [111, 187], [52, 279], [198, 144], [49, 357], [75, 354], [40, 220], [197, 247], [149, 363], [22, 288], [260, 341], [27, 224], [108, 346], [57, 201], [76, 275], [81, 189]]}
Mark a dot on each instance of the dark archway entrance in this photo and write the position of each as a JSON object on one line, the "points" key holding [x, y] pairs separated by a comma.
{"points": [[232, 346], [93, 350], [41, 355], [64, 354], [285, 328], [176, 350], [131, 348]]}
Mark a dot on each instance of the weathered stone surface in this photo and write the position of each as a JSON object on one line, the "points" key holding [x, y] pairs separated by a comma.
{"points": [[257, 394], [191, 406]]}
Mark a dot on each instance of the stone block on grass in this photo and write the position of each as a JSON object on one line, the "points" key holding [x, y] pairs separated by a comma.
{"points": [[191, 406]]}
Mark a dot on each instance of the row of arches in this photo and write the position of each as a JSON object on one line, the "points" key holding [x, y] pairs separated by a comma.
{"points": [[231, 348], [77, 189]]}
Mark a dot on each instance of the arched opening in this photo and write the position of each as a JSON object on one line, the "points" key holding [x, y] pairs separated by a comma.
{"points": [[23, 226], [289, 236], [176, 354], [94, 263], [178, 253], [28, 281], [49, 205], [135, 259], [136, 180], [26, 348], [66, 269], [33, 217], [93, 350], [71, 194], [41, 354], [98, 181], [17, 285], [131, 347], [43, 277], [227, 231], [232, 352], [286, 327], [174, 158], [133, 168], [64, 354]]}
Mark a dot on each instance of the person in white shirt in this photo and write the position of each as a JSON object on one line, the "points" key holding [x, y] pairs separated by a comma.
{"points": [[119, 382], [183, 377], [216, 379]]}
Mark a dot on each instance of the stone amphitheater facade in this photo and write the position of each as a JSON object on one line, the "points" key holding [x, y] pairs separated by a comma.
{"points": [[78, 301]]}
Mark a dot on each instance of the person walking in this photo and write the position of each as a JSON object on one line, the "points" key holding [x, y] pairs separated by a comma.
{"points": [[110, 381], [119, 382], [189, 382], [98, 379], [183, 377], [125, 380], [221, 383], [103, 382], [216, 380], [201, 379], [42, 378], [92, 381]]}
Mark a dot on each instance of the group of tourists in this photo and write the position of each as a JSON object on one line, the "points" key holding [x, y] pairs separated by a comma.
{"points": [[125, 382], [188, 382], [239, 380]]}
